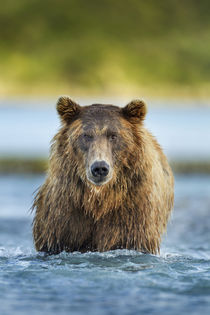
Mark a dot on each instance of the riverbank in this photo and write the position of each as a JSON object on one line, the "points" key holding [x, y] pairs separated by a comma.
{"points": [[13, 165], [189, 93]]}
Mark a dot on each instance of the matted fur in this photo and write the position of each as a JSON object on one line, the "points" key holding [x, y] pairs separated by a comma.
{"points": [[130, 211]]}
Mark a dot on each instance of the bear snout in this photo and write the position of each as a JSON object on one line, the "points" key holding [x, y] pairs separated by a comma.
{"points": [[99, 172], [99, 169]]}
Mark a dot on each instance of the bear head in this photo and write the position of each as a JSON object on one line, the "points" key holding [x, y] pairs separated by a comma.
{"points": [[100, 141]]}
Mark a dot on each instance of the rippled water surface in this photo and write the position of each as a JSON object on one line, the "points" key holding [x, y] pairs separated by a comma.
{"points": [[116, 282]]}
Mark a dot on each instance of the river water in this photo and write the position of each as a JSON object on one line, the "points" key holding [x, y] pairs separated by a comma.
{"points": [[117, 282], [183, 131]]}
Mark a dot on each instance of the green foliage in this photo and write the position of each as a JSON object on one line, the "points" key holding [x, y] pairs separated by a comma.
{"points": [[99, 43]]}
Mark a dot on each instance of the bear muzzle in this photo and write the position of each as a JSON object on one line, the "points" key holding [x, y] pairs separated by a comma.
{"points": [[100, 169], [99, 173]]}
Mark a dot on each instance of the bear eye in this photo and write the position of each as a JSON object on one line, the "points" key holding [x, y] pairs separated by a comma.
{"points": [[87, 137], [112, 137]]}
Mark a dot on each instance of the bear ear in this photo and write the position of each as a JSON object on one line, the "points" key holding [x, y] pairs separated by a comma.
{"points": [[135, 110], [67, 109]]}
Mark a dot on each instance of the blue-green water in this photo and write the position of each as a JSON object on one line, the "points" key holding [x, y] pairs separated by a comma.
{"points": [[117, 282]]}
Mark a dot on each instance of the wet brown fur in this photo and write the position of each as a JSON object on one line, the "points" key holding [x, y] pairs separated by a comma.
{"points": [[130, 211]]}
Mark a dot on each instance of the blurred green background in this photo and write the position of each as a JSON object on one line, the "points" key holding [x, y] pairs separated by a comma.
{"points": [[106, 47], [105, 51]]}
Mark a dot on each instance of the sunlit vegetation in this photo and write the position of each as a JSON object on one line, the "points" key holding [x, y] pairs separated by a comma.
{"points": [[104, 45]]}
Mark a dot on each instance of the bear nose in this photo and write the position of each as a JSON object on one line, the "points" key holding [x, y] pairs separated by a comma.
{"points": [[99, 169]]}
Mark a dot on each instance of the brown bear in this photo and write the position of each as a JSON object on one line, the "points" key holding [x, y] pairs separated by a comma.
{"points": [[109, 185]]}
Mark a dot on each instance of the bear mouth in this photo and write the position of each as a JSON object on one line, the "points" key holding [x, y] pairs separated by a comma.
{"points": [[99, 181]]}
